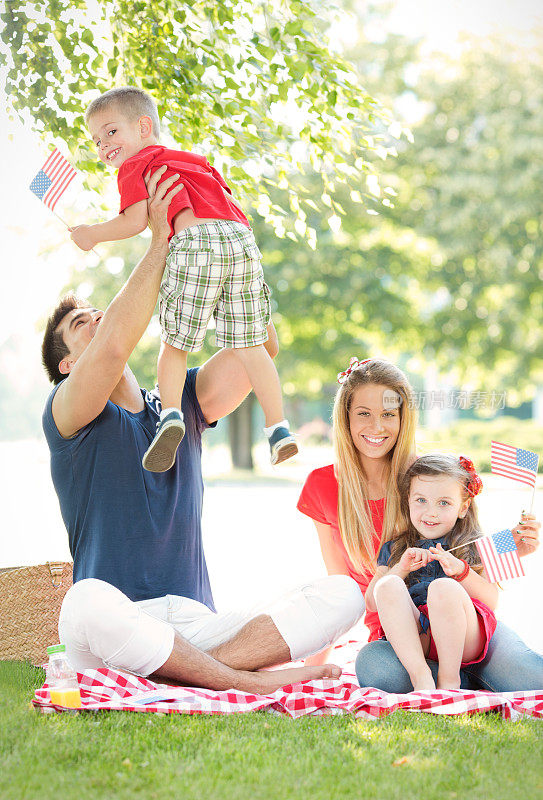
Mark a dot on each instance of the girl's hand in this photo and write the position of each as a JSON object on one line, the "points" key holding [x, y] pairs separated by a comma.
{"points": [[83, 237], [526, 534], [450, 565], [413, 558]]}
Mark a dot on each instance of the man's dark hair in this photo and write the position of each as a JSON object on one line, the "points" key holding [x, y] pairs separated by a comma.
{"points": [[54, 348]]}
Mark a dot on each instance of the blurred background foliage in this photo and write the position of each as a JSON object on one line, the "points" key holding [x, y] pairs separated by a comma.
{"points": [[472, 437], [433, 258]]}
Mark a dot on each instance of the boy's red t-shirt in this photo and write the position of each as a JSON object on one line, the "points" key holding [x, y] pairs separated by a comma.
{"points": [[203, 185], [319, 500]]}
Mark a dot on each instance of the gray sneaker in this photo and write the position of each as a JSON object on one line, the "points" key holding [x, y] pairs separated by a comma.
{"points": [[160, 455], [282, 445]]}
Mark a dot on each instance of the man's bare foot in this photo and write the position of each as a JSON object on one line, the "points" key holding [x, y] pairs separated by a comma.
{"points": [[423, 680], [266, 681]]}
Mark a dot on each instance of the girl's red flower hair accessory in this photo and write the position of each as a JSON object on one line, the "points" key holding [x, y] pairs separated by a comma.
{"points": [[354, 363], [475, 484]]}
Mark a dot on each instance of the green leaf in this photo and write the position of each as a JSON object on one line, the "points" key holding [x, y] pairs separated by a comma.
{"points": [[294, 28]]}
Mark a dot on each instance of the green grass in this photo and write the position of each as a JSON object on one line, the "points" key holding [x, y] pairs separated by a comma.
{"points": [[123, 755]]}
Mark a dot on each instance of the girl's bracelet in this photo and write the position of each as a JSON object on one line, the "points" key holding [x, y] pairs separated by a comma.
{"points": [[464, 573]]}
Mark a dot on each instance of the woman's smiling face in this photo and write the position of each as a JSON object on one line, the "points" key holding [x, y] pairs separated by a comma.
{"points": [[374, 420]]}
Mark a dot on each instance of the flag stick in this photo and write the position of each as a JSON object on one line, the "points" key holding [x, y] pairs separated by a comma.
{"points": [[465, 544], [60, 218], [533, 498]]}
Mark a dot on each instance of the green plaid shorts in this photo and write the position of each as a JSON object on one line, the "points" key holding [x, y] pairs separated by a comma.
{"points": [[214, 269]]}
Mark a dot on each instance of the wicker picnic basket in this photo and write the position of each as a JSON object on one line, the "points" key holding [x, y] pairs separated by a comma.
{"points": [[30, 600]]}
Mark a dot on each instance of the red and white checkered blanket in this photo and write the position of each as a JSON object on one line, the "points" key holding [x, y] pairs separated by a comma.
{"points": [[108, 690]]}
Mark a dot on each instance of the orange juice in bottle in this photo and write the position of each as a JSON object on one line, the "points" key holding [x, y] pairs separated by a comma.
{"points": [[62, 679]]}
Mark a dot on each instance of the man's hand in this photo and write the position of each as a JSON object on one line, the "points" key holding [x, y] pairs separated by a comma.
{"points": [[526, 534], [83, 236], [159, 200]]}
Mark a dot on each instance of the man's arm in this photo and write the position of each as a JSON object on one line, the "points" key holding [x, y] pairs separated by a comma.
{"points": [[99, 368], [130, 222], [222, 383]]}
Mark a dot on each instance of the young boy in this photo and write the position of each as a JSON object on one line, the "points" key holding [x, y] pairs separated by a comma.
{"points": [[213, 266]]}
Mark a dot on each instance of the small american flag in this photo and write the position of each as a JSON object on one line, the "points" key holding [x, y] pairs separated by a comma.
{"points": [[500, 556], [53, 179], [519, 465]]}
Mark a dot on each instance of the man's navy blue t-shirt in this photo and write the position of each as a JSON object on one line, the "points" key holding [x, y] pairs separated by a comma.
{"points": [[138, 530]]}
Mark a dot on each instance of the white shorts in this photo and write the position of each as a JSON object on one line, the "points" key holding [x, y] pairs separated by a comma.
{"points": [[101, 626]]}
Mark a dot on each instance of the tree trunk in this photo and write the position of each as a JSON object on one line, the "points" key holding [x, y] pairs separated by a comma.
{"points": [[240, 434]]}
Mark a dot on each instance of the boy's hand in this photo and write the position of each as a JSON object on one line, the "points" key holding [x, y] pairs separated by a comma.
{"points": [[414, 558], [83, 236], [450, 565], [526, 534]]}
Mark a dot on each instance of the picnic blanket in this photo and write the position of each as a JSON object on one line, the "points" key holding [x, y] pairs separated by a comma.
{"points": [[109, 690]]}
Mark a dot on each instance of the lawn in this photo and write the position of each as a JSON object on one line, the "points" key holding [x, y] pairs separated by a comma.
{"points": [[124, 755]]}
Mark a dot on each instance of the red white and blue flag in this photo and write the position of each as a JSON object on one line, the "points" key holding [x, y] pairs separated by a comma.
{"points": [[513, 462], [500, 557], [53, 179]]}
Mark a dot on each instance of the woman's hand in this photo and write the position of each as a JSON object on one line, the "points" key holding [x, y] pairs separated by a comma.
{"points": [[413, 558], [526, 534], [450, 565]]}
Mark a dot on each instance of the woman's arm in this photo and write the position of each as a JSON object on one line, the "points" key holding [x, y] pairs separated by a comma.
{"points": [[479, 587], [130, 222], [334, 560]]}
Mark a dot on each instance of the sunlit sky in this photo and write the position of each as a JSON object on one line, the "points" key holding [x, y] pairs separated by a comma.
{"points": [[26, 225]]}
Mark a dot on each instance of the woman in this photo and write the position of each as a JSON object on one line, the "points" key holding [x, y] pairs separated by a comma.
{"points": [[355, 506]]}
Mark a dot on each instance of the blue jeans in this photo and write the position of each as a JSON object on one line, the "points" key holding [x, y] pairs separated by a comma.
{"points": [[508, 666]]}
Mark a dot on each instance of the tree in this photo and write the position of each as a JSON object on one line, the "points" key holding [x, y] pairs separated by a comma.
{"points": [[257, 85], [472, 182], [468, 187]]}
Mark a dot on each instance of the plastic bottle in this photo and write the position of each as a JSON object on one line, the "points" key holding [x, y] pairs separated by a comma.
{"points": [[62, 679]]}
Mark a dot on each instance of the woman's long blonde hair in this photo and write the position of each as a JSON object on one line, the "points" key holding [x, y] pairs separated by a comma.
{"points": [[465, 529], [355, 522]]}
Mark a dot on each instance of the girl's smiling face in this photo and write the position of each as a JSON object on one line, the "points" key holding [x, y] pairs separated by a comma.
{"points": [[374, 420], [435, 503]]}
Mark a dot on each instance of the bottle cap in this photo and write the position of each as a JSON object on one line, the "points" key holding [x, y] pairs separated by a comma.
{"points": [[56, 648]]}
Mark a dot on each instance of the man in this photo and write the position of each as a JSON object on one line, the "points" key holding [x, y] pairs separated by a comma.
{"points": [[141, 599]]}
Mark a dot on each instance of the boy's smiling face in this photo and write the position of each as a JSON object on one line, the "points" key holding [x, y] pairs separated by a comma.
{"points": [[117, 137]]}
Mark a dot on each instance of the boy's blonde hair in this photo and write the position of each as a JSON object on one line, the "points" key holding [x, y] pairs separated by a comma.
{"points": [[465, 529], [131, 101], [355, 522]]}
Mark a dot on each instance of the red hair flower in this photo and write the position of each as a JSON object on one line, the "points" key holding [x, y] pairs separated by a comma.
{"points": [[475, 484], [354, 363]]}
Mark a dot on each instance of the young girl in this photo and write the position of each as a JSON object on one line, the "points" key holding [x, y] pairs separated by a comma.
{"points": [[432, 603]]}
